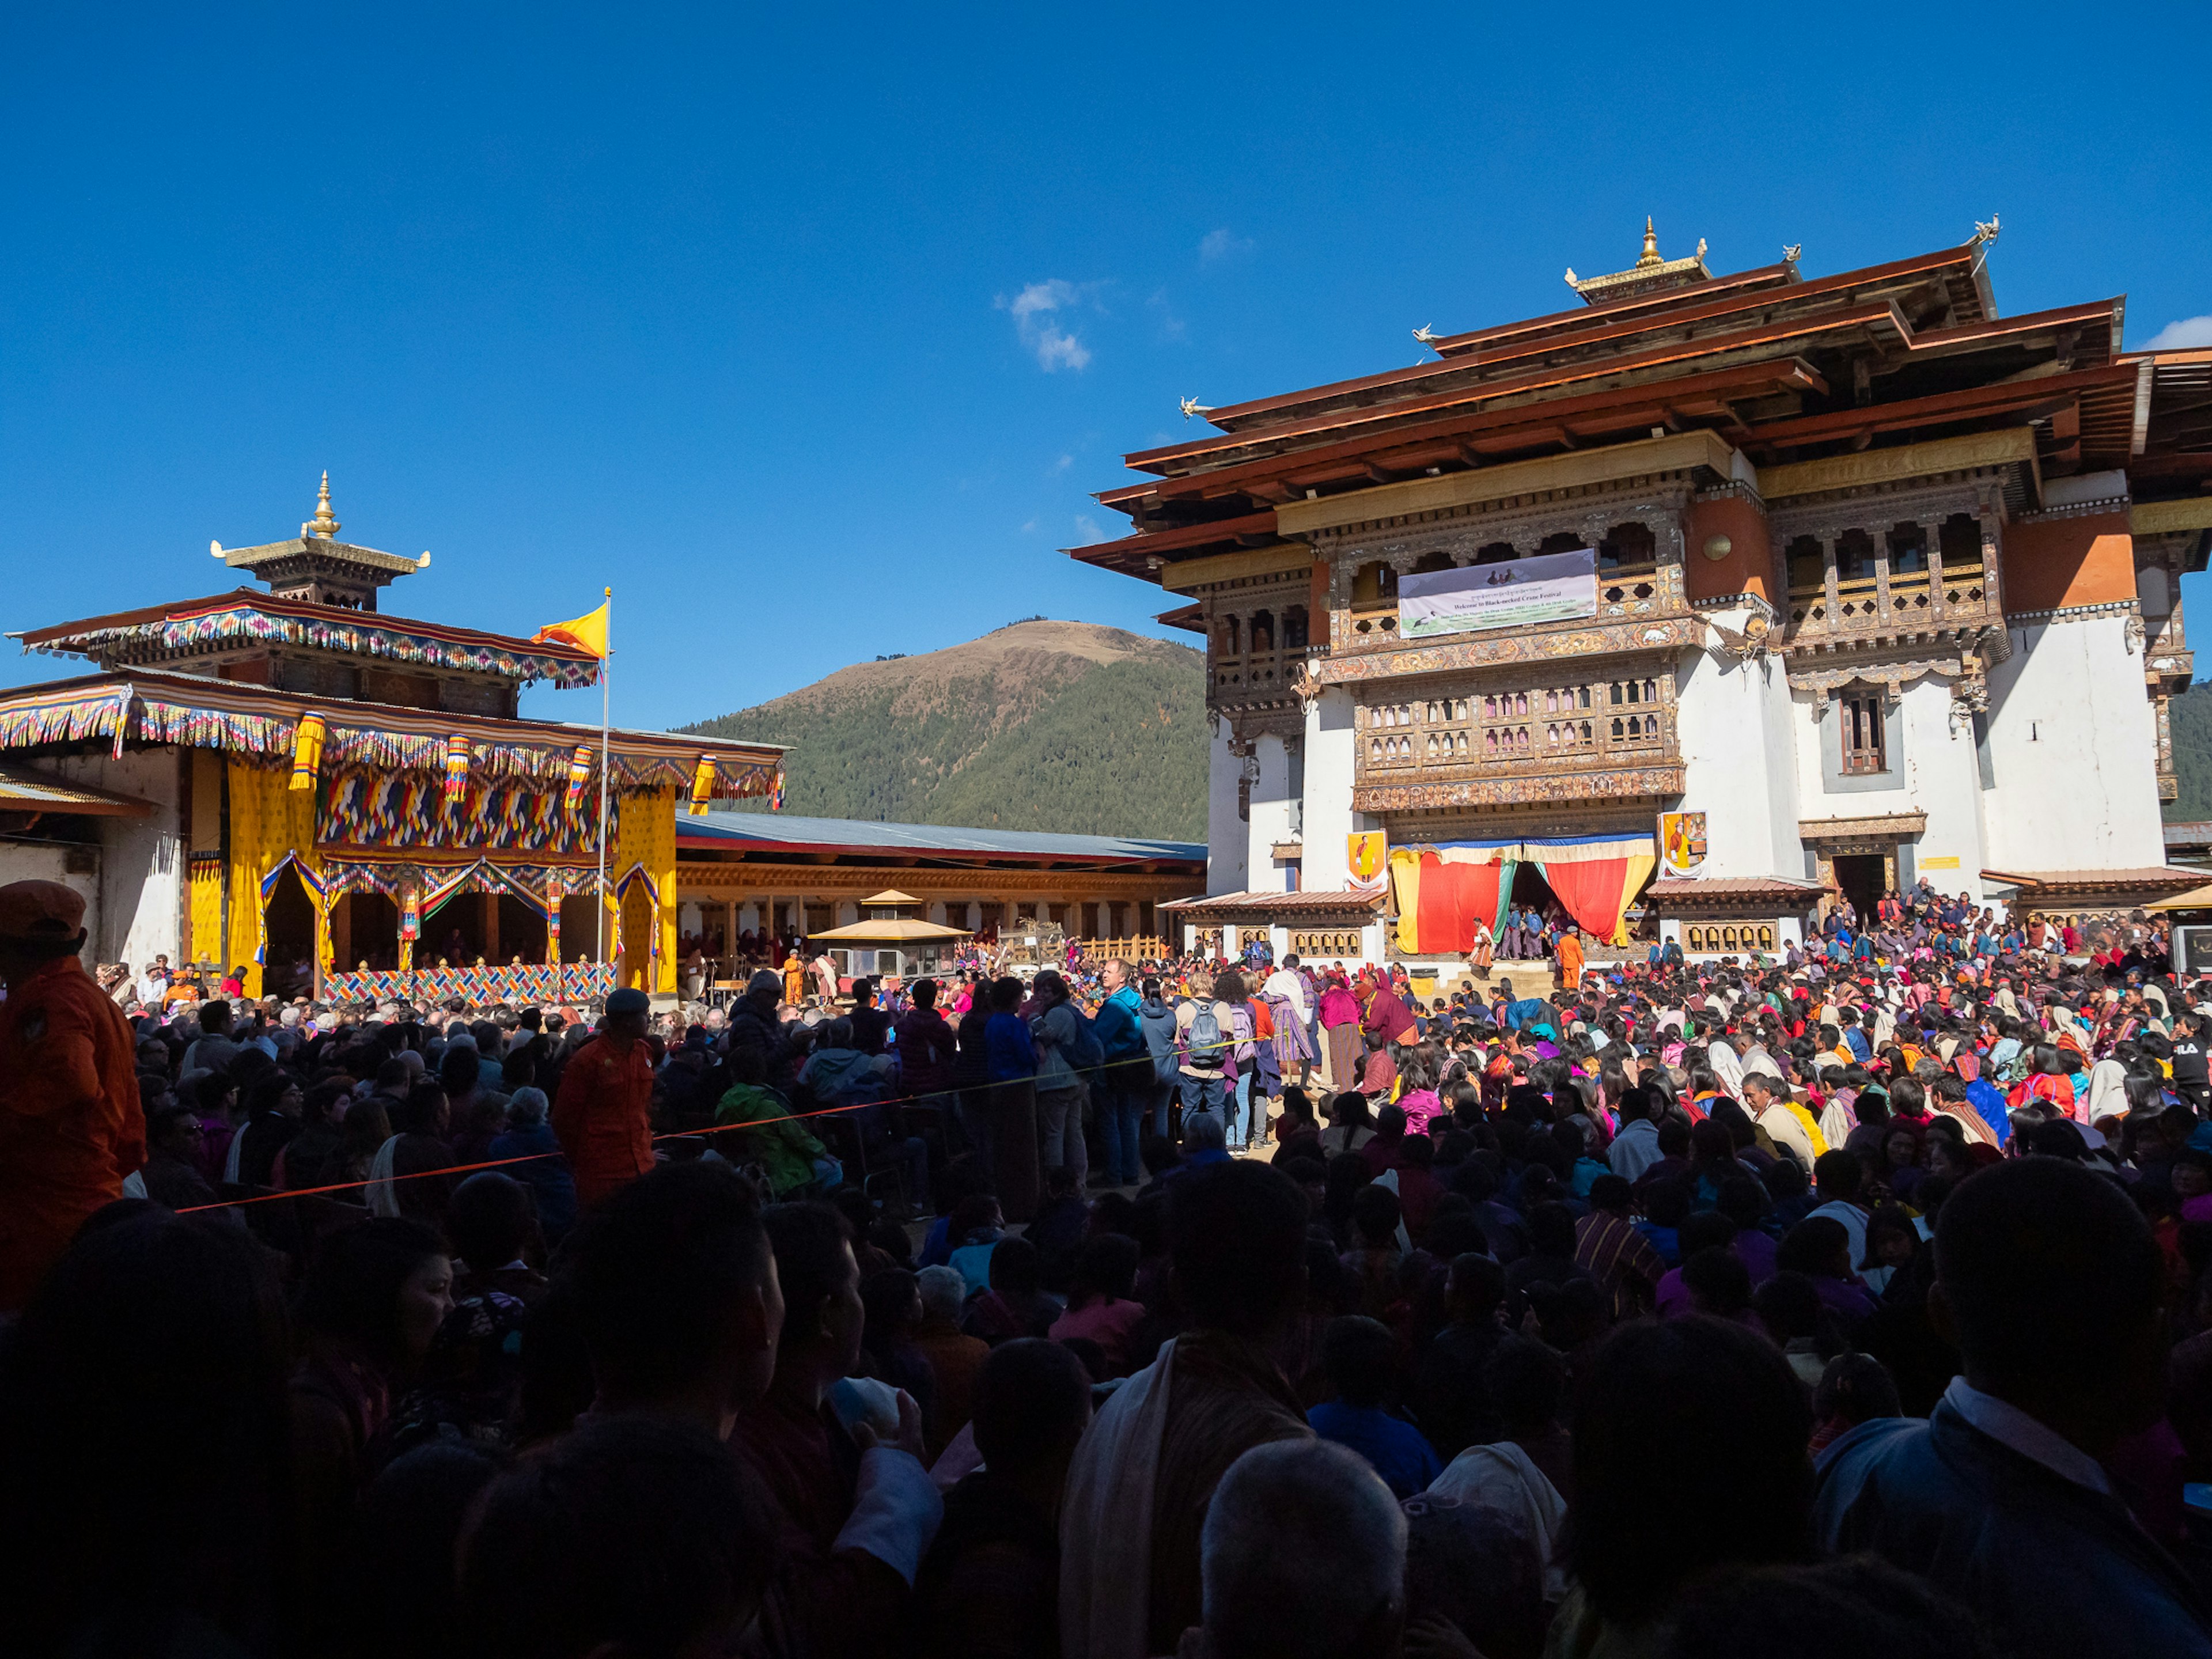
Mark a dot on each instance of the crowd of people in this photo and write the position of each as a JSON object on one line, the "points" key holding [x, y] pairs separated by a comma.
{"points": [[1854, 1300]]}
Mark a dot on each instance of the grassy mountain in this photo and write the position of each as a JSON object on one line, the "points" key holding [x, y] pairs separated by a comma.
{"points": [[2189, 722], [1038, 726]]}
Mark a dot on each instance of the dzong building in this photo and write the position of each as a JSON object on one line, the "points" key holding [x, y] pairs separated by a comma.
{"points": [[1694, 605]]}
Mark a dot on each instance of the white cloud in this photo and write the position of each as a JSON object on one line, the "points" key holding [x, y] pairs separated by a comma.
{"points": [[1087, 530], [1035, 310], [1029, 528], [1171, 326], [1063, 463], [2179, 336], [1217, 245]]}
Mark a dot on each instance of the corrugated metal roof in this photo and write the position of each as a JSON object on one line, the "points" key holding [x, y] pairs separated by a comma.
{"points": [[2037, 881], [741, 831], [1734, 887], [22, 790], [1308, 901]]}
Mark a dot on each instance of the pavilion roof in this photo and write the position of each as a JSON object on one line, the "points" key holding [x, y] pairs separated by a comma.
{"points": [[261, 723], [245, 614], [903, 930]]}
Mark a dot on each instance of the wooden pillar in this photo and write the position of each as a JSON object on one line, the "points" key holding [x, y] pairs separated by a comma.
{"points": [[1933, 533], [730, 932], [488, 910]]}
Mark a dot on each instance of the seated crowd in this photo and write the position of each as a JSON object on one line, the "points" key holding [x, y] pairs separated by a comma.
{"points": [[1654, 1318]]}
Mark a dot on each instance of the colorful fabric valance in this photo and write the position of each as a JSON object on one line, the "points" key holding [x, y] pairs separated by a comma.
{"points": [[318, 895], [307, 750], [1595, 878], [1442, 891]]}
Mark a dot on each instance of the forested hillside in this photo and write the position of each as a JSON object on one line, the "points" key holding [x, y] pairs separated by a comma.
{"points": [[1039, 725], [2190, 717]]}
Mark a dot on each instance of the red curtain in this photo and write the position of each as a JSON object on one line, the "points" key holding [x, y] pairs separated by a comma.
{"points": [[1590, 890], [1452, 897]]}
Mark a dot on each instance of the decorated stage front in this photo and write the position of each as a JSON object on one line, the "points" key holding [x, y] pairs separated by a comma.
{"points": [[530, 983]]}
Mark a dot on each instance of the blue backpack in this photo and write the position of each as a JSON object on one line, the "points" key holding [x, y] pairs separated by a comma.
{"points": [[1205, 1043]]}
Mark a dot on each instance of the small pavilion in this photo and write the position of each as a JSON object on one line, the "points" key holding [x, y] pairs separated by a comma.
{"points": [[888, 943]]}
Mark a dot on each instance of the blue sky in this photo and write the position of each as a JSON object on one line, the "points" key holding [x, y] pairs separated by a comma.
{"points": [[812, 330]]}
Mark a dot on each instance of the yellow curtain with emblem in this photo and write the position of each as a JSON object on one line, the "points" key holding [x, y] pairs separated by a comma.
{"points": [[647, 834], [268, 819]]}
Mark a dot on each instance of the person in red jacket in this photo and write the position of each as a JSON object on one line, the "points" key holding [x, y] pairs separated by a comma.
{"points": [[603, 1117], [71, 1130]]}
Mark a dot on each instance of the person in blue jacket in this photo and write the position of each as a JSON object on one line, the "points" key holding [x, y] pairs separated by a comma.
{"points": [[2051, 1283]]}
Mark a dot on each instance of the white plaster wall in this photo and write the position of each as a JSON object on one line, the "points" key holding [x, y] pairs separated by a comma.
{"points": [[46, 860], [1272, 815], [1732, 722], [1228, 848], [1329, 818], [142, 864], [1933, 770], [2074, 746]]}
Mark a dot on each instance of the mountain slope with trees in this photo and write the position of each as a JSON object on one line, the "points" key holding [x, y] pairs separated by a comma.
{"points": [[2189, 722], [1039, 724]]}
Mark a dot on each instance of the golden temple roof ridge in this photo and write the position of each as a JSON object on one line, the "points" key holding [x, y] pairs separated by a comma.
{"points": [[1651, 271], [324, 525]]}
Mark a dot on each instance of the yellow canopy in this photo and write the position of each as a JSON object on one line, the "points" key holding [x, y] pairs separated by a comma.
{"points": [[2196, 898], [901, 930], [892, 895]]}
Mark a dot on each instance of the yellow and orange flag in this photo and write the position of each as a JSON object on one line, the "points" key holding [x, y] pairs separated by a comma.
{"points": [[586, 633]]}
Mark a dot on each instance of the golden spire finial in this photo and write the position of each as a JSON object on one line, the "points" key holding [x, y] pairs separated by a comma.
{"points": [[1651, 254], [324, 524]]}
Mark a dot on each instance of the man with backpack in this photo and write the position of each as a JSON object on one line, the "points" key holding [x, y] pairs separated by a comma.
{"points": [[1203, 1040], [1069, 1055]]}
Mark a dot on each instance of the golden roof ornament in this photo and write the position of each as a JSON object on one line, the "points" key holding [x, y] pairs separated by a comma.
{"points": [[1652, 271], [324, 524]]}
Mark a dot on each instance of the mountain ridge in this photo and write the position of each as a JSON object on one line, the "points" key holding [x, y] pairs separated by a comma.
{"points": [[1039, 724]]}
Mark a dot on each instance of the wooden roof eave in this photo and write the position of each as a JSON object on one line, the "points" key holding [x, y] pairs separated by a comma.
{"points": [[1146, 544], [1746, 382], [1776, 340], [49, 638], [1945, 408], [357, 713], [1574, 328], [1884, 318]]}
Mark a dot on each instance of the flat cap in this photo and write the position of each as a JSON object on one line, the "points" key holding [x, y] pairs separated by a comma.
{"points": [[40, 912]]}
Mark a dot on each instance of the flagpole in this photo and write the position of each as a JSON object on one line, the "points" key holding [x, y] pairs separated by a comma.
{"points": [[605, 663]]}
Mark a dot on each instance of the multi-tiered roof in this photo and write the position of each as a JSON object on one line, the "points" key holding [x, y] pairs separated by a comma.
{"points": [[1784, 368]]}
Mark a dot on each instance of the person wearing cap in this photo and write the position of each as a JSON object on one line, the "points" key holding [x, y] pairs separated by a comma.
{"points": [[71, 1129], [604, 1115]]}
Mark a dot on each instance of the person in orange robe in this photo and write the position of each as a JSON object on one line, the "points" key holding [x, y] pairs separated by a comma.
{"points": [[604, 1118], [1570, 959], [71, 1127]]}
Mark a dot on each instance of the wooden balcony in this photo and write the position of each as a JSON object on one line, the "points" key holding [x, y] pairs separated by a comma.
{"points": [[1625, 593], [1531, 754], [1250, 672], [1866, 609]]}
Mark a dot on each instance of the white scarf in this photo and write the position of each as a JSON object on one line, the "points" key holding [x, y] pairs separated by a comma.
{"points": [[1503, 1478], [1106, 1520], [383, 1199]]}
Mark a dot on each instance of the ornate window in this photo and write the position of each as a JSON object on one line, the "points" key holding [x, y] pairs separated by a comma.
{"points": [[1864, 749]]}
